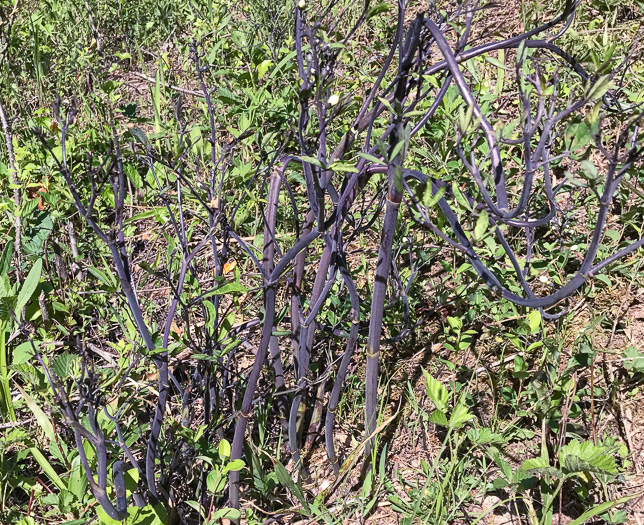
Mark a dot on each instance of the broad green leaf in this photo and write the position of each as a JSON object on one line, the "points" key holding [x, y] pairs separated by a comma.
{"points": [[224, 448], [534, 320], [29, 286], [22, 353]]}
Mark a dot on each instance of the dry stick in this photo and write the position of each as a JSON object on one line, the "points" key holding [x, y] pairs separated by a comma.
{"points": [[17, 243]]}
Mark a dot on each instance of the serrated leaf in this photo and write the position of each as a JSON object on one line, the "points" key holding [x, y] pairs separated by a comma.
{"points": [[436, 391], [62, 364], [438, 417]]}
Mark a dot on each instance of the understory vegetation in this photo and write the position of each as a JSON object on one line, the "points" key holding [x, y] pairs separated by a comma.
{"points": [[321, 262]]}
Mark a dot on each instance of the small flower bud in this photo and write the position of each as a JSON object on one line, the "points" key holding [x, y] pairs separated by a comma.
{"points": [[333, 100], [301, 4]]}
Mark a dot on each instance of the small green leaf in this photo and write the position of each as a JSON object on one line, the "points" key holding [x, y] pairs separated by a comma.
{"points": [[436, 391]]}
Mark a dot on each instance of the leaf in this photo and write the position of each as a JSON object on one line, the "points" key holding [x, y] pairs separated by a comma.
{"points": [[371, 158], [534, 320], [284, 477], [585, 456], [312, 160], [224, 448], [226, 288], [47, 468], [262, 68], [215, 481], [438, 417], [234, 465], [22, 353], [5, 258], [603, 507], [101, 276], [29, 286], [344, 167], [62, 364], [430, 199], [589, 170], [459, 197], [460, 416], [599, 88], [436, 391], [43, 421], [540, 466], [633, 359], [139, 135], [482, 224]]}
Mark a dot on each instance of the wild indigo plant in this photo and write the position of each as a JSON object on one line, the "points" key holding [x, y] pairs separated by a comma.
{"points": [[421, 67]]}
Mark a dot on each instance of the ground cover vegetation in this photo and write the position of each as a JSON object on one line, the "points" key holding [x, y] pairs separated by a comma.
{"points": [[321, 262]]}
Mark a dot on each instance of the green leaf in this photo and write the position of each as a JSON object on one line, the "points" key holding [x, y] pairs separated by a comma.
{"points": [[139, 135], [62, 364], [234, 465], [585, 456], [226, 288], [540, 466], [22, 353], [603, 507], [599, 88], [47, 468], [215, 481], [589, 170], [101, 276], [436, 391], [371, 158], [534, 320], [438, 417], [459, 197], [285, 478], [430, 199], [312, 160], [224, 448], [482, 224], [43, 421], [345, 167], [29, 286], [262, 68], [5, 258], [460, 416]]}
